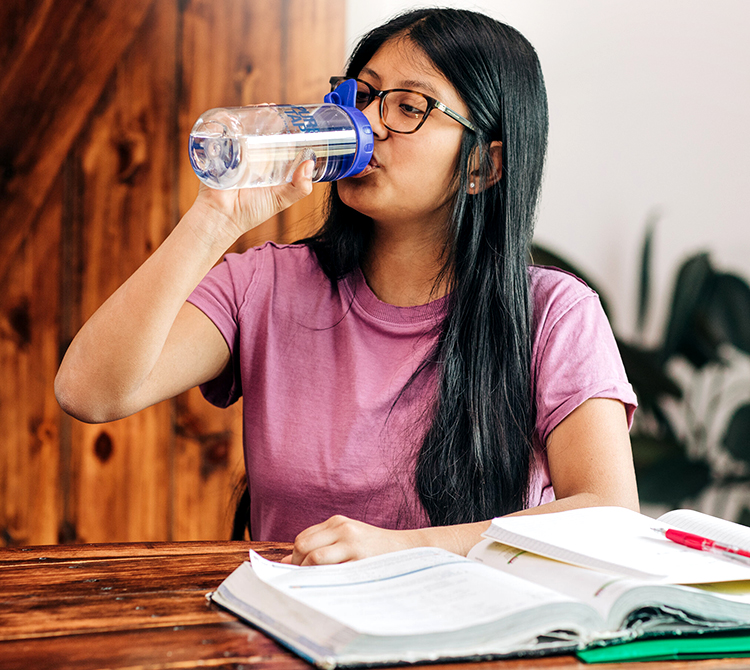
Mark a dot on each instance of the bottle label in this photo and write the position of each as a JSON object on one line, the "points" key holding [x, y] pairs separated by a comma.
{"points": [[300, 117]]}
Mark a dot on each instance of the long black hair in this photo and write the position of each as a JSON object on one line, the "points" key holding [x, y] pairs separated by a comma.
{"points": [[475, 460]]}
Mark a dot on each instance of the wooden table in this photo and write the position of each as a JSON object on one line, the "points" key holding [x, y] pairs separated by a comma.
{"points": [[142, 606]]}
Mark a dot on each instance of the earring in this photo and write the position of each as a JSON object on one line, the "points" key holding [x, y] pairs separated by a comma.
{"points": [[472, 185]]}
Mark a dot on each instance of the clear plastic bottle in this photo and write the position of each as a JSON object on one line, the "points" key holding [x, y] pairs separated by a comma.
{"points": [[262, 145]]}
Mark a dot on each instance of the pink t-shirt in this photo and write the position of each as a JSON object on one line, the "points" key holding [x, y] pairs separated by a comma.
{"points": [[320, 368]]}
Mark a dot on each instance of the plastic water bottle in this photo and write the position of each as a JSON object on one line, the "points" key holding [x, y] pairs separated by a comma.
{"points": [[262, 145]]}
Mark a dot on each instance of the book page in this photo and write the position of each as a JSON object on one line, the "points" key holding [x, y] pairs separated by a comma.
{"points": [[722, 531], [615, 596], [734, 591], [600, 590], [614, 540], [409, 592]]}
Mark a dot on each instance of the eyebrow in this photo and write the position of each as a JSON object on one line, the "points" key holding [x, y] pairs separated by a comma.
{"points": [[407, 83]]}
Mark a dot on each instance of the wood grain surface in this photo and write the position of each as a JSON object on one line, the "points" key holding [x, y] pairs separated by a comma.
{"points": [[143, 607]]}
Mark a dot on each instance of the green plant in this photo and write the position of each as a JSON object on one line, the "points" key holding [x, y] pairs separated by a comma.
{"points": [[693, 425]]}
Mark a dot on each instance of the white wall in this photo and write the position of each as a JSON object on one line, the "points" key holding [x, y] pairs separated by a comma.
{"points": [[649, 112]]}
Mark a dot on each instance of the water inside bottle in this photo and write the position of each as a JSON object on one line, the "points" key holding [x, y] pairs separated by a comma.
{"points": [[246, 162], [215, 158]]}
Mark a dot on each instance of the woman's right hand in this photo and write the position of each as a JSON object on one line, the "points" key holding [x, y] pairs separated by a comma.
{"points": [[228, 214]]}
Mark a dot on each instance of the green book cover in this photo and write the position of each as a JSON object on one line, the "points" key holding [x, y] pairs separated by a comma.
{"points": [[672, 647]]}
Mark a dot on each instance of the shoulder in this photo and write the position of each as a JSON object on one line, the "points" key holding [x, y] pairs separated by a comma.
{"points": [[554, 293], [270, 264], [568, 321], [575, 353], [271, 255], [264, 272]]}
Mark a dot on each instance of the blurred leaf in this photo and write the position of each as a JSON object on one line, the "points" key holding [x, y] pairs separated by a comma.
{"points": [[744, 517], [728, 311], [644, 287], [541, 255], [687, 333], [708, 308], [666, 431], [737, 436], [700, 344], [646, 373], [649, 450], [672, 480]]}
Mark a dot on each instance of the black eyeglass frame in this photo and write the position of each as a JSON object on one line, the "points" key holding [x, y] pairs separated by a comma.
{"points": [[432, 104]]}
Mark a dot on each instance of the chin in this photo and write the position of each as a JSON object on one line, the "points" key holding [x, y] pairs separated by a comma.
{"points": [[354, 193]]}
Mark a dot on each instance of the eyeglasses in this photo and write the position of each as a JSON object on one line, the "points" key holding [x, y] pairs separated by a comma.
{"points": [[401, 110]]}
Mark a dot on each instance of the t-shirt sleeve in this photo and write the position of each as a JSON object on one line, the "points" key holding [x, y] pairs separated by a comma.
{"points": [[576, 359], [220, 296]]}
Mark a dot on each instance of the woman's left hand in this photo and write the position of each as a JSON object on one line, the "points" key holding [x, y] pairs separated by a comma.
{"points": [[340, 539]]}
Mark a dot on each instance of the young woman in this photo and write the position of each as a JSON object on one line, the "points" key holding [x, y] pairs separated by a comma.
{"points": [[406, 376]]}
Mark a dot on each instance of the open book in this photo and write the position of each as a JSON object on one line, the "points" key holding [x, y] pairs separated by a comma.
{"points": [[428, 604], [614, 539]]}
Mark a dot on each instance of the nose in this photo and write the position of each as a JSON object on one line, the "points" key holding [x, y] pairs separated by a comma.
{"points": [[372, 114]]}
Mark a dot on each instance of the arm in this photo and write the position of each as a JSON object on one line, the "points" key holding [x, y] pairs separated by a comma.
{"points": [[591, 459], [590, 463], [145, 343]]}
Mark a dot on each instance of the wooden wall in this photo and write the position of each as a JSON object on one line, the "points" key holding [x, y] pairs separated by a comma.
{"points": [[97, 98]]}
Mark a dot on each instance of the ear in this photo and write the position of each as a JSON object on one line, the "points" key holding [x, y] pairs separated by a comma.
{"points": [[479, 179]]}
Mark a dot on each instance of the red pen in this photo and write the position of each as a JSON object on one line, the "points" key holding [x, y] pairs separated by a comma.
{"points": [[704, 544]]}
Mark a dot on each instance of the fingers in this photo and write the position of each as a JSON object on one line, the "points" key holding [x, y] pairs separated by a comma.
{"points": [[340, 539], [329, 555], [337, 540], [300, 186], [304, 170], [241, 210], [282, 196]]}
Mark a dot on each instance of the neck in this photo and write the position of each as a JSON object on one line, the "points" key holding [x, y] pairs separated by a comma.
{"points": [[402, 265]]}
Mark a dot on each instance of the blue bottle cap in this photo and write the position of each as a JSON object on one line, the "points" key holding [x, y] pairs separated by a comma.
{"points": [[345, 96]]}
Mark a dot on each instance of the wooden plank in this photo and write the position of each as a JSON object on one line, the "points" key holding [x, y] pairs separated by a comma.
{"points": [[231, 55], [38, 555], [125, 159], [315, 48], [231, 645], [99, 613], [30, 509], [17, 21], [122, 476], [224, 645], [50, 80], [113, 589], [208, 466], [245, 70], [113, 576], [312, 27]]}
